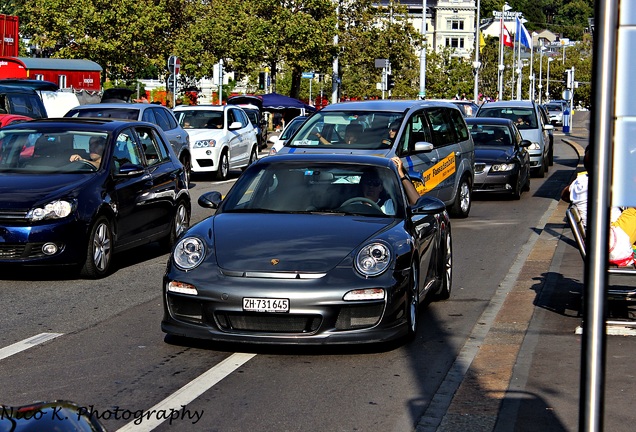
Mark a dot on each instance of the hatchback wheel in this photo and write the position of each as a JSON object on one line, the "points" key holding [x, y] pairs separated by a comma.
{"points": [[224, 166], [180, 223], [99, 252], [253, 158], [463, 199], [447, 269], [187, 169]]}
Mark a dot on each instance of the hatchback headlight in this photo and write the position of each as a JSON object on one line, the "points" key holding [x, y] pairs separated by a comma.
{"points": [[189, 253], [54, 210], [373, 259], [534, 146], [204, 143], [503, 167]]}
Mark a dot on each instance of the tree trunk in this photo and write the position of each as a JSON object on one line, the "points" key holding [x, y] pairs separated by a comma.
{"points": [[295, 85]]}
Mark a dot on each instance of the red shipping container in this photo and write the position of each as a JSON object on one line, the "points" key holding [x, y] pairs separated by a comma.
{"points": [[9, 44]]}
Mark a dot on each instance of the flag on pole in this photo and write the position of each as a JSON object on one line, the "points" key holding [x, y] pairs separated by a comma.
{"points": [[524, 36], [507, 38]]}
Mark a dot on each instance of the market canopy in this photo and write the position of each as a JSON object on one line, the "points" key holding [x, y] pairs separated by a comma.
{"points": [[275, 101]]}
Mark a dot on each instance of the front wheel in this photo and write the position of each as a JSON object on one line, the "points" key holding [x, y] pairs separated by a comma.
{"points": [[551, 156], [463, 199], [253, 158], [180, 223], [187, 169], [447, 268], [99, 252], [224, 166]]}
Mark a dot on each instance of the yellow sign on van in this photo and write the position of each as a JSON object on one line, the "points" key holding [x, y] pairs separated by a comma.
{"points": [[437, 174]]}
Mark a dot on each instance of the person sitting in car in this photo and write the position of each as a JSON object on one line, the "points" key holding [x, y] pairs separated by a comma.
{"points": [[96, 149]]}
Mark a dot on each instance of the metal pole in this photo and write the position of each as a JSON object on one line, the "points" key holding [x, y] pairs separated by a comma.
{"points": [[519, 65], [476, 65], [335, 77], [501, 65], [547, 83], [596, 278], [540, 73], [422, 94]]}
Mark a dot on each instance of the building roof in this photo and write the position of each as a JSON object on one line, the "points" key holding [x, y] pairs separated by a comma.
{"points": [[56, 64]]}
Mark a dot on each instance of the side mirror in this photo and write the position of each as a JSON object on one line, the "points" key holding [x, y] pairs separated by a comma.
{"points": [[210, 200], [423, 146], [235, 125], [428, 205], [548, 127], [129, 170], [525, 143]]}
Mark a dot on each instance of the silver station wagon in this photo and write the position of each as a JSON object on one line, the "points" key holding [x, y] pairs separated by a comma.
{"points": [[430, 137]]}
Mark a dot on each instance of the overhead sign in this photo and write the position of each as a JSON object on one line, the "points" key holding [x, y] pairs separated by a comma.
{"points": [[508, 15]]}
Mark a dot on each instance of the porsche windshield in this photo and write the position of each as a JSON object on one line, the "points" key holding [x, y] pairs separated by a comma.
{"points": [[48, 151], [318, 188], [347, 129]]}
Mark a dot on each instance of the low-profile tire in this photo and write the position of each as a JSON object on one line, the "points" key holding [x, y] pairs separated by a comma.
{"points": [[224, 166], [551, 156], [187, 169], [447, 268], [99, 250], [526, 186], [253, 157], [413, 302], [463, 199], [180, 223]]}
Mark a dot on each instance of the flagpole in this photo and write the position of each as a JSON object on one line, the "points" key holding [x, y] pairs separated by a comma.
{"points": [[477, 64], [519, 66], [501, 66]]}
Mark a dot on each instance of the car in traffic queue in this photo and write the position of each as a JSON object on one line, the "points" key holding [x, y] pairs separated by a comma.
{"points": [[467, 107], [430, 137], [290, 128], [346, 268], [61, 203], [21, 100], [221, 138], [502, 161], [532, 126], [7, 119], [253, 107], [152, 113], [555, 112]]}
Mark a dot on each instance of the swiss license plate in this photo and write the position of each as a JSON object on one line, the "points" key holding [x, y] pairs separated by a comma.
{"points": [[257, 304]]}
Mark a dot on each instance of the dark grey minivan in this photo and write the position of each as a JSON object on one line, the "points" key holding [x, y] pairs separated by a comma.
{"points": [[430, 137]]}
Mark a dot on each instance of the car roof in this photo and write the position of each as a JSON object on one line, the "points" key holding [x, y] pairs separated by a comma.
{"points": [[30, 83], [385, 105], [508, 104], [80, 123], [327, 158], [118, 105], [204, 107], [12, 88], [488, 120]]}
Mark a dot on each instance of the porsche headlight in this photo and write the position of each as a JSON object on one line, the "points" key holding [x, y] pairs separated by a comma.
{"points": [[373, 259], [189, 253], [534, 146], [54, 210], [204, 143], [503, 167]]}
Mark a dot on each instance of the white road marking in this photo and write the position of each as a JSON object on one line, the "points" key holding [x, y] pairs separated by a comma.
{"points": [[27, 343], [186, 394]]}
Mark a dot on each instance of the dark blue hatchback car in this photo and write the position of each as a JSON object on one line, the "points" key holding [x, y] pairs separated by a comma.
{"points": [[75, 191]]}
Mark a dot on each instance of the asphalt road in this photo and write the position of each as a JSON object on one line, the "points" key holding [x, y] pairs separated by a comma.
{"points": [[106, 349]]}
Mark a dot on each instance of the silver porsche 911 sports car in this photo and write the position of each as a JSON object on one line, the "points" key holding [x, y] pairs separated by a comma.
{"points": [[309, 249]]}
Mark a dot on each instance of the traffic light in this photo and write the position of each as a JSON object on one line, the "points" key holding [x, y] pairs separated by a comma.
{"points": [[390, 82], [567, 78], [261, 80]]}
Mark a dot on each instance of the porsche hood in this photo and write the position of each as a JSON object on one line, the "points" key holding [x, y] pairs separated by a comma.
{"points": [[290, 243]]}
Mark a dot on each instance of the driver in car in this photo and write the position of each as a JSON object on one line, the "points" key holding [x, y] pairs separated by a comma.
{"points": [[96, 147], [373, 189]]}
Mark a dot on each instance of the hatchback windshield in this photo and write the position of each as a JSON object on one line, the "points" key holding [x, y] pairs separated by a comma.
{"points": [[296, 188], [118, 113], [553, 107], [347, 129], [43, 151], [524, 118]]}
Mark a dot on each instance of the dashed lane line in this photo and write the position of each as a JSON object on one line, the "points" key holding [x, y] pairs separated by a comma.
{"points": [[27, 343], [186, 394]]}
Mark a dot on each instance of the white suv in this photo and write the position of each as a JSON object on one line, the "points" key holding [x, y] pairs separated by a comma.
{"points": [[221, 138]]}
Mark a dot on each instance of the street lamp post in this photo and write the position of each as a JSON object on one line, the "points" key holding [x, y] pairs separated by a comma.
{"points": [[506, 7], [547, 84], [477, 64], [422, 94], [540, 72]]}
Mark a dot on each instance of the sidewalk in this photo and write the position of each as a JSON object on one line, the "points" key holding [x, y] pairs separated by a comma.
{"points": [[525, 374]]}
